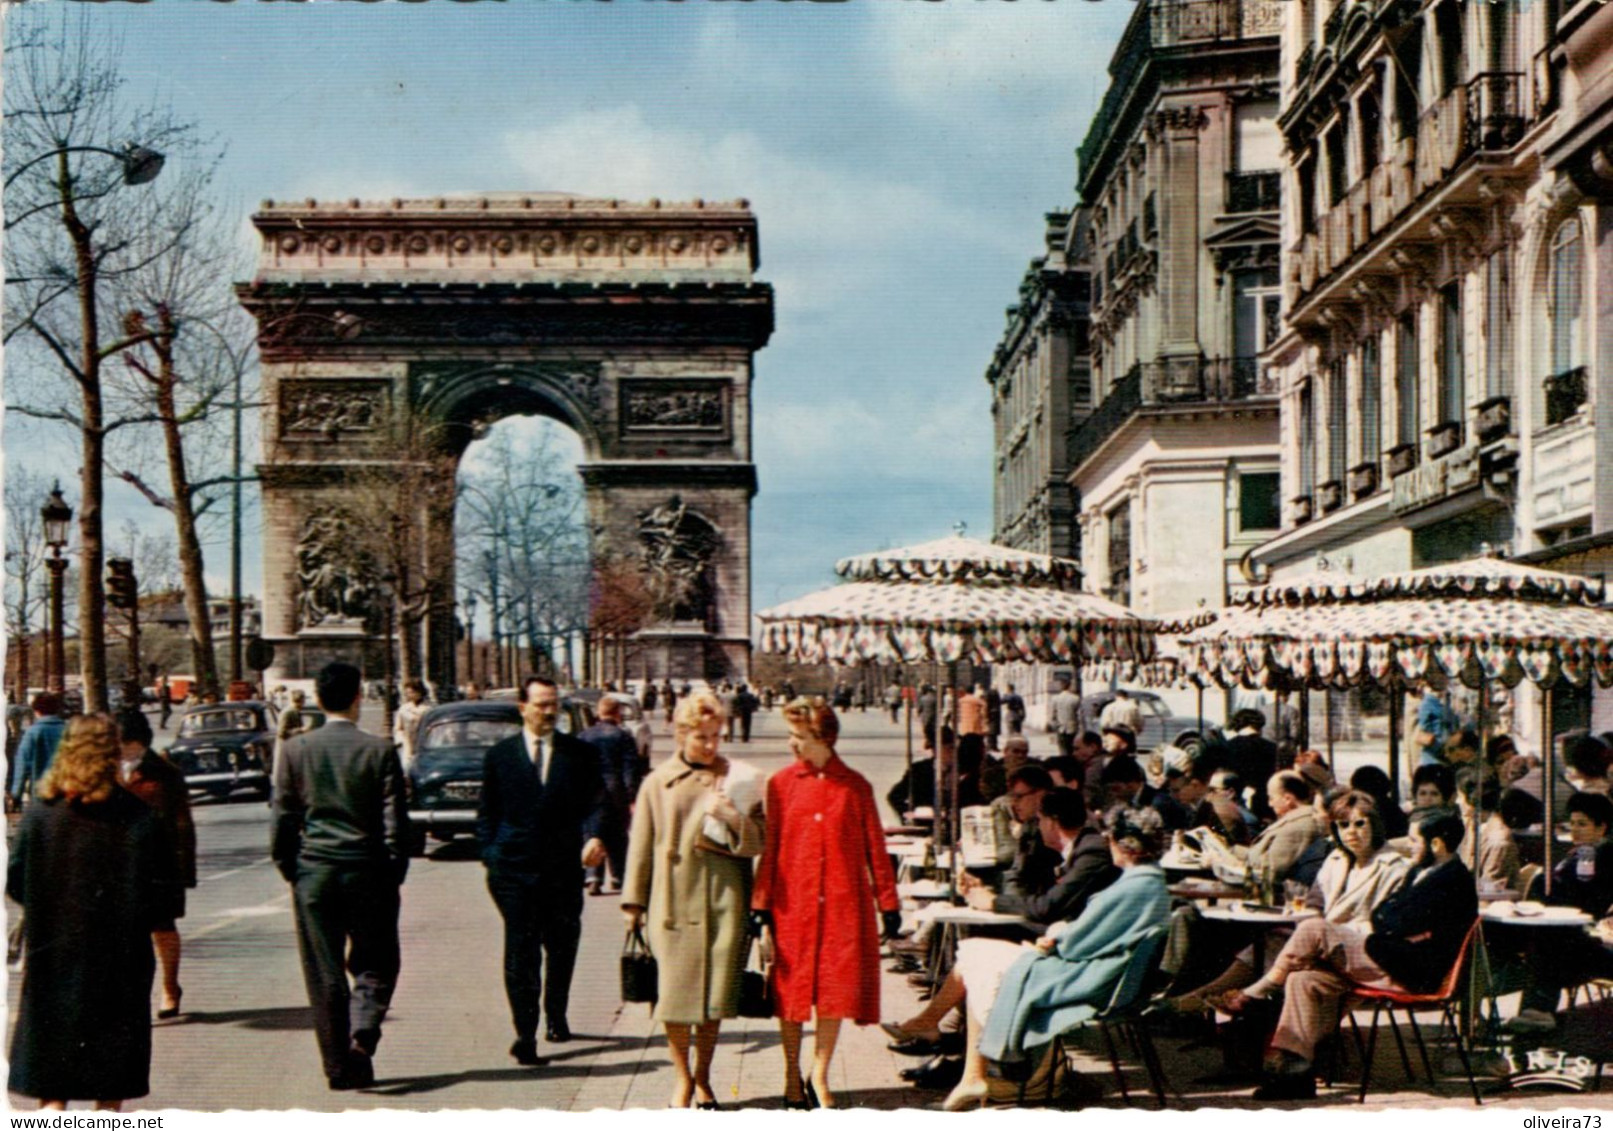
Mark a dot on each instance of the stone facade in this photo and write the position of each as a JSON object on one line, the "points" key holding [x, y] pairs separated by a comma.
{"points": [[1443, 364], [1175, 467], [1041, 386], [635, 324]]}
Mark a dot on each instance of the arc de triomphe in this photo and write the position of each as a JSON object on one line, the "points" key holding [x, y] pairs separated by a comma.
{"points": [[635, 324]]}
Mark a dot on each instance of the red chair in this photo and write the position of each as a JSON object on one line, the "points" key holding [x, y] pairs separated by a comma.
{"points": [[1447, 999]]}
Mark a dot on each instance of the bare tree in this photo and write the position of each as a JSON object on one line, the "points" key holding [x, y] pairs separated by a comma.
{"points": [[181, 375], [76, 155], [25, 567], [522, 543]]}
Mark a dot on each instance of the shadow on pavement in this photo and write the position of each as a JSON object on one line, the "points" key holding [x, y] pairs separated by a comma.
{"points": [[279, 1019], [418, 1085]]}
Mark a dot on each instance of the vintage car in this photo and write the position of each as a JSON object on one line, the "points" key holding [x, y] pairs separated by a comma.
{"points": [[223, 748], [1160, 725], [445, 780]]}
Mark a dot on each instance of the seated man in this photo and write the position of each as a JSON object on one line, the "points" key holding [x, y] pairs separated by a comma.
{"points": [[1124, 784], [1409, 944], [1286, 838], [1583, 879], [1178, 802], [916, 788], [1084, 866], [1223, 811]]}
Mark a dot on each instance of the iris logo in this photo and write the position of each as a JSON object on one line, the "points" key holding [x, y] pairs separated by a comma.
{"points": [[1548, 1068]]}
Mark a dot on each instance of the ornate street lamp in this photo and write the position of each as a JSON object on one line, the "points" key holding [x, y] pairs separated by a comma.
{"points": [[470, 636], [57, 517], [140, 164]]}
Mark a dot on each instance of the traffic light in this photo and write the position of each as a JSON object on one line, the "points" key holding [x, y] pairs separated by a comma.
{"points": [[122, 589]]}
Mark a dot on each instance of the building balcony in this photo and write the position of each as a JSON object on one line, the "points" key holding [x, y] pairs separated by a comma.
{"points": [[1483, 117], [1182, 382], [1363, 480], [1196, 21], [1330, 495], [1254, 192], [1444, 438], [1402, 458], [1302, 509], [1492, 419], [1566, 393]]}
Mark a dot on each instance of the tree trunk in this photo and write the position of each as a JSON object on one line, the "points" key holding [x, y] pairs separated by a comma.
{"points": [[192, 571], [91, 553]]}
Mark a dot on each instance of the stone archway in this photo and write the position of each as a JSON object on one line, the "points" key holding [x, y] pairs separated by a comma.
{"points": [[634, 324]]}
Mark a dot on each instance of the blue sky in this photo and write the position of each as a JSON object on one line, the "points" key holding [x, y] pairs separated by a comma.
{"points": [[899, 155]]}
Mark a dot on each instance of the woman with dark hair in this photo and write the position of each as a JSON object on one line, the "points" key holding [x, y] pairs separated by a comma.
{"points": [[1376, 784], [1359, 874], [1409, 943], [95, 873], [158, 782], [1073, 968], [823, 874]]}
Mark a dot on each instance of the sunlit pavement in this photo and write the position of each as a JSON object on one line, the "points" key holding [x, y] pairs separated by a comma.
{"points": [[245, 1038]]}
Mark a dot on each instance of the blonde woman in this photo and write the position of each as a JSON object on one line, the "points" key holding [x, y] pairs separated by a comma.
{"points": [[95, 872], [697, 828]]}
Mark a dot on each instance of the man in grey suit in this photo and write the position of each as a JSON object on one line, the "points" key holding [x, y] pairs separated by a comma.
{"points": [[341, 835]]}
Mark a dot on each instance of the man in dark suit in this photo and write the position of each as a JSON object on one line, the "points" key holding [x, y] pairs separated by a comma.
{"points": [[1252, 756], [540, 821], [1085, 865], [619, 767], [341, 836]]}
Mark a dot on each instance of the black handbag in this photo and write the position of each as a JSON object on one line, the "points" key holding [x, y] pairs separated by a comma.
{"points": [[755, 992], [640, 981]]}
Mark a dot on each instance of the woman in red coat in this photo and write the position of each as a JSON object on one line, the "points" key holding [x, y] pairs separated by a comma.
{"points": [[822, 873]]}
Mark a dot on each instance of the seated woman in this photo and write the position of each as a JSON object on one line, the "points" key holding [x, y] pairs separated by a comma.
{"points": [[1501, 812], [1020, 995], [1355, 878], [1433, 787], [1408, 943], [1375, 784], [1584, 879]]}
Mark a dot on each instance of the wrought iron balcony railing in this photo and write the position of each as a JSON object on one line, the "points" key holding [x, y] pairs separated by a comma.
{"points": [[1566, 393], [1175, 381]]}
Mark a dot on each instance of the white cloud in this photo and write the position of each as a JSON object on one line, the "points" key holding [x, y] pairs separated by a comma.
{"points": [[820, 220]]}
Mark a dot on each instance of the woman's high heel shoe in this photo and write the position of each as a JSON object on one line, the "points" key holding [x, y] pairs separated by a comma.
{"points": [[168, 1013], [808, 1100]]}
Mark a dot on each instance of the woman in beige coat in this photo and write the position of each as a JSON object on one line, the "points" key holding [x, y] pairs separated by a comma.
{"points": [[689, 865]]}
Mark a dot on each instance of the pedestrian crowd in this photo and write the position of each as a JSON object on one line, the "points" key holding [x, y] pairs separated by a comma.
{"points": [[775, 896]]}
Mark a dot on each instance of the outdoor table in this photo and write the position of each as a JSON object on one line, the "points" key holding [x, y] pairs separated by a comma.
{"points": [[1498, 896], [1263, 922], [924, 889], [1538, 920], [955, 922], [1183, 862], [1211, 890]]}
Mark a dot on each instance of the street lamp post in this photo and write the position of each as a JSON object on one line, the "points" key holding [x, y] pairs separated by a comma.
{"points": [[470, 636], [57, 516]]}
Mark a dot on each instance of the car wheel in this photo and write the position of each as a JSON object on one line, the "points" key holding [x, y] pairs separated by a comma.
{"points": [[1191, 744]]}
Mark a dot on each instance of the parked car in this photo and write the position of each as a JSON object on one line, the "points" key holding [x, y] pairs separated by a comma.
{"points": [[226, 747], [445, 780], [1160, 726]]}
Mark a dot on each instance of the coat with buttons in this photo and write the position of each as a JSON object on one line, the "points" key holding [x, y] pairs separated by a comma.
{"points": [[696, 897], [823, 874]]}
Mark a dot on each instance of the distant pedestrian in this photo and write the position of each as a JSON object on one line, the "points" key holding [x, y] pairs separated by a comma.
{"points": [[406, 721], [38, 746], [1065, 717], [1014, 711], [1122, 711], [697, 828], [158, 782], [893, 702], [341, 839], [165, 701], [745, 705], [539, 824], [994, 717], [669, 699], [972, 711], [823, 874], [650, 696], [92, 866], [619, 767], [291, 723]]}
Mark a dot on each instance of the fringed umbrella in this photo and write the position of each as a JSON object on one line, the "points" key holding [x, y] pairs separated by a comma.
{"points": [[1472, 621], [955, 599]]}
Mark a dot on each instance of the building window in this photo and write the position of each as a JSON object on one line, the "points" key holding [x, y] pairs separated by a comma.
{"points": [[1256, 311], [1370, 116], [1120, 554], [1408, 418], [1566, 300], [1307, 193], [1452, 386], [1338, 176], [1448, 19], [1259, 501], [1337, 422], [1371, 397], [1307, 440], [1498, 325]]}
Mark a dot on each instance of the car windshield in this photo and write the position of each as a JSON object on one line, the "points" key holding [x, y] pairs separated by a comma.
{"points": [[467, 732], [218, 722]]}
